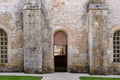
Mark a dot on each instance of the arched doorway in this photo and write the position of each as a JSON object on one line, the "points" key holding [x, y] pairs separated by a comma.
{"points": [[60, 51]]}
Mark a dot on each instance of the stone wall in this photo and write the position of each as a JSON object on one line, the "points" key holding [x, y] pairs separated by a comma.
{"points": [[113, 25], [71, 17], [11, 22]]}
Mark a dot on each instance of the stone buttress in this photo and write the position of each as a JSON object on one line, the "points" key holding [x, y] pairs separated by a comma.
{"points": [[97, 25]]}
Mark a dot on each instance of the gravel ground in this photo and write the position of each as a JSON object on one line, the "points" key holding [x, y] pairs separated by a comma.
{"points": [[60, 76]]}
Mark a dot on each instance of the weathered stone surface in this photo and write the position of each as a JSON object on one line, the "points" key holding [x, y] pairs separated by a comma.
{"points": [[97, 20], [31, 25], [97, 1], [32, 38]]}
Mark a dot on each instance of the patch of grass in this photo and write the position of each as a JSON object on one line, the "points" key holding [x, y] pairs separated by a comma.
{"points": [[98, 78], [20, 78]]}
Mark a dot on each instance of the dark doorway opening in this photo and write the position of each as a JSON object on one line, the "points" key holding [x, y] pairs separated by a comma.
{"points": [[60, 51]]}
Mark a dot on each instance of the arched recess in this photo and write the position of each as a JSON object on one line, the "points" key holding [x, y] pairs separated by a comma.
{"points": [[112, 31], [3, 47], [60, 51], [116, 47], [9, 40], [112, 58]]}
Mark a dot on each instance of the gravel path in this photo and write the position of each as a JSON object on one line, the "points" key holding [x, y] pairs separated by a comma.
{"points": [[60, 76]]}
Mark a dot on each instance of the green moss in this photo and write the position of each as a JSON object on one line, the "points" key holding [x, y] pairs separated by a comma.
{"points": [[98, 78]]}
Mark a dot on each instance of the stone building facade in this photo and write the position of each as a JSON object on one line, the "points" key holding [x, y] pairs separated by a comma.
{"points": [[33, 32]]}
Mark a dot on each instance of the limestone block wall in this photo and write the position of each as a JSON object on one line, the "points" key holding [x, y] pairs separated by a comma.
{"points": [[71, 17], [113, 26], [48, 55], [11, 22]]}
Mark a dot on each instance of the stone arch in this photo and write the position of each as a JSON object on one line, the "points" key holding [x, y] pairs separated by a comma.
{"points": [[69, 33], [59, 28], [60, 35], [62, 30], [60, 51], [4, 29], [114, 29]]}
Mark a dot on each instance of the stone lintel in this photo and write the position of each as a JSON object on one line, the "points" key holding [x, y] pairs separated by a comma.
{"points": [[32, 6], [98, 6]]}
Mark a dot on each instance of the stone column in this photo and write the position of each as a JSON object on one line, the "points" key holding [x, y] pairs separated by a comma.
{"points": [[32, 23], [97, 20]]}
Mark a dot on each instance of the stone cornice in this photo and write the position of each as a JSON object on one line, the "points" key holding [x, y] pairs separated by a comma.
{"points": [[98, 6], [32, 6]]}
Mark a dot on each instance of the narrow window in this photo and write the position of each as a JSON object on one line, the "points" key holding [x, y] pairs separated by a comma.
{"points": [[116, 47], [3, 46]]}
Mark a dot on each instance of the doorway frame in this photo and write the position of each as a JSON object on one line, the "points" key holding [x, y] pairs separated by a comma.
{"points": [[54, 44]]}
